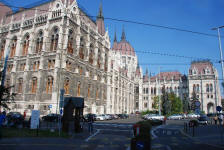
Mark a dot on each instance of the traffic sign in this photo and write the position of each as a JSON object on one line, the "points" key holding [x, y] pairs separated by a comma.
{"points": [[218, 108], [49, 106], [61, 111]]}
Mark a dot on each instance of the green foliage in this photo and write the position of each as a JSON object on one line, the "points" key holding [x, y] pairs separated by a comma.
{"points": [[6, 97], [176, 104], [149, 112], [155, 104]]}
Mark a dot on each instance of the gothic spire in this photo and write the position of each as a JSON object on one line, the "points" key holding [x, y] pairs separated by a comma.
{"points": [[115, 36], [146, 72], [100, 13], [123, 37]]}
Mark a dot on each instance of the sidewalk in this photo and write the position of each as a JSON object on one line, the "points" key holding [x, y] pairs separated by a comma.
{"points": [[208, 134]]}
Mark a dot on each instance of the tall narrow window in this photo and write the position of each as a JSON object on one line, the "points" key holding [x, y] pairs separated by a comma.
{"points": [[54, 40], [2, 49], [34, 66], [98, 59], [89, 91], [25, 45], [34, 85], [66, 86], [91, 54], [70, 42], [105, 63], [13, 47], [20, 85], [207, 88], [194, 88], [38, 65], [39, 42], [97, 94], [49, 85], [211, 88], [81, 50], [79, 89], [80, 71], [198, 89]]}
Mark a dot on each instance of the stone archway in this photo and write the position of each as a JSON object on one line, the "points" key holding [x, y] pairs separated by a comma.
{"points": [[210, 108]]}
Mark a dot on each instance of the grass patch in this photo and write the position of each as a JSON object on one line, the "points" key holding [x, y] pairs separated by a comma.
{"points": [[25, 132]]}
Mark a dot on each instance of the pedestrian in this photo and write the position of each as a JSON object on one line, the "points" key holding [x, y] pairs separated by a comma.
{"points": [[220, 119], [24, 115], [90, 123], [216, 119], [164, 120], [2, 119]]}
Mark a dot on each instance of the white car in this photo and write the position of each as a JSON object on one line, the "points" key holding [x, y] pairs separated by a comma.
{"points": [[175, 117], [100, 117], [193, 115], [155, 117]]}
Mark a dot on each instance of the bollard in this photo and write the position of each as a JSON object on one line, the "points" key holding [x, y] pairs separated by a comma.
{"points": [[193, 130]]}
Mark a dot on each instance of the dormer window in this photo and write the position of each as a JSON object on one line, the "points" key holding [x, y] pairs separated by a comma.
{"points": [[194, 72]]}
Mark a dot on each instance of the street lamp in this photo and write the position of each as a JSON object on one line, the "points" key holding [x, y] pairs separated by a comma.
{"points": [[220, 49]]}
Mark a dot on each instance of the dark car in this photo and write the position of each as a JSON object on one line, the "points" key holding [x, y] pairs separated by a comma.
{"points": [[14, 118], [51, 117], [87, 115], [203, 120]]}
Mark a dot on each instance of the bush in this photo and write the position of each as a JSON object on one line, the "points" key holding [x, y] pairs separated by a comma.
{"points": [[149, 112]]}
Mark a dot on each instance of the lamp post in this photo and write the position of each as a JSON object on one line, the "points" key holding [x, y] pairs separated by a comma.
{"points": [[220, 49]]}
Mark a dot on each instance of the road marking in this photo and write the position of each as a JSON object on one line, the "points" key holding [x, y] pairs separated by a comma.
{"points": [[153, 130], [98, 130]]}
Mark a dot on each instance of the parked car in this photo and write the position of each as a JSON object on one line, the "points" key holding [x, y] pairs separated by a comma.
{"points": [[51, 117], [14, 118], [193, 115], [155, 117], [203, 120], [100, 117], [175, 117]]}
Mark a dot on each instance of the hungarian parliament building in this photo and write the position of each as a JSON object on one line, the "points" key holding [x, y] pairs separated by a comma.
{"points": [[55, 45]]}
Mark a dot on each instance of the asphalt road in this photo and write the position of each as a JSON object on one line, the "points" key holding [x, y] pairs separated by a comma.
{"points": [[170, 137], [108, 135]]}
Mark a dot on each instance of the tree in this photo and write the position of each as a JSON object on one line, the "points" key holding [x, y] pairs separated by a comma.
{"points": [[6, 96], [185, 104], [166, 103], [155, 104], [176, 104]]}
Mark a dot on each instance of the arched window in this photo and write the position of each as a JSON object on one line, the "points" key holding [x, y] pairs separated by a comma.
{"points": [[54, 39], [151, 90], [13, 47], [203, 71], [91, 53], [190, 72], [49, 85], [70, 42], [26, 44], [211, 88], [79, 89], [34, 85], [207, 88], [81, 50], [2, 49], [154, 90], [66, 86], [89, 91], [20, 85], [98, 59], [39, 42]]}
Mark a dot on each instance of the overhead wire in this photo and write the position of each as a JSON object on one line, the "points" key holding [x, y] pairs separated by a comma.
{"points": [[127, 21]]}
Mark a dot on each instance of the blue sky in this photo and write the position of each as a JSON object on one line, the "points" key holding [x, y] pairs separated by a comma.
{"points": [[195, 15]]}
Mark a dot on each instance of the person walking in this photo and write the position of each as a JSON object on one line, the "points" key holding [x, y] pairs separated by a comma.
{"points": [[90, 123], [220, 119], [216, 119], [2, 119]]}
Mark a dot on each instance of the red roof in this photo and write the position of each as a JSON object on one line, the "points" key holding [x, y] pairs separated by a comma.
{"points": [[167, 76], [201, 66], [124, 47]]}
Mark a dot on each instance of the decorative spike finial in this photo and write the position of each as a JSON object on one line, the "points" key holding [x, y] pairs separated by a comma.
{"points": [[100, 14], [115, 36], [123, 37]]}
